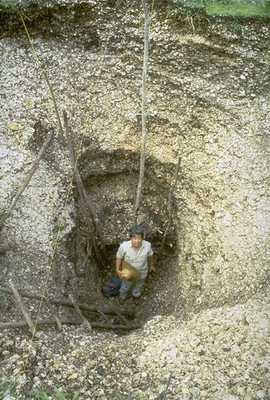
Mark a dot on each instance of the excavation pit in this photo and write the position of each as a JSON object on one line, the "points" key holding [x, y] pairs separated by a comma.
{"points": [[110, 180]]}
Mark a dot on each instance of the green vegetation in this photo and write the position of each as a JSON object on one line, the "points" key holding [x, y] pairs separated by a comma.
{"points": [[39, 395], [17, 4], [21, 6], [9, 388], [238, 8]]}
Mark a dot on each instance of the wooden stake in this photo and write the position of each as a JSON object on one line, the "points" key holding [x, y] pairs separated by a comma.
{"points": [[67, 303], [147, 21], [93, 223], [45, 75], [22, 308], [66, 321], [77, 308], [144, 111], [55, 316], [170, 208], [105, 317], [4, 248], [5, 216]]}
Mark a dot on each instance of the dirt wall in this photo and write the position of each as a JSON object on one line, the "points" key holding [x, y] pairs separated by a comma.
{"points": [[208, 104]]}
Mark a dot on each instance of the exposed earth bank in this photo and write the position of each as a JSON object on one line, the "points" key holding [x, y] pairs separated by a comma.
{"points": [[205, 313]]}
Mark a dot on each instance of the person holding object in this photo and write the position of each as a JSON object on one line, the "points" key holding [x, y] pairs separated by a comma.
{"points": [[134, 259]]}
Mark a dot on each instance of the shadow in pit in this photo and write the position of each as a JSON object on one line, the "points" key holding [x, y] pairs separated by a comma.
{"points": [[110, 180]]}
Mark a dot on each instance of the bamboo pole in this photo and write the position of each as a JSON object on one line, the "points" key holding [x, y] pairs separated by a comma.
{"points": [[68, 303], [55, 316], [172, 188], [27, 180], [144, 111], [45, 75], [170, 208], [66, 321], [77, 308], [93, 222], [22, 308], [4, 248]]}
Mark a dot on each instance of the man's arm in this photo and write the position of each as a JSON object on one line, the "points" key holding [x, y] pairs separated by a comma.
{"points": [[118, 265], [151, 266]]}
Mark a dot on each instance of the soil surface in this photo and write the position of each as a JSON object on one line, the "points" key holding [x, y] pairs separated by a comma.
{"points": [[204, 315]]}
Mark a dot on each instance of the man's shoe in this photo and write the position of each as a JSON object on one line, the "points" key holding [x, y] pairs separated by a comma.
{"points": [[136, 300], [121, 301]]}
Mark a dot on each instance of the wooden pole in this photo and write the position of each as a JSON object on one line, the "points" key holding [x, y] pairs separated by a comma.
{"points": [[22, 308], [144, 112], [93, 222], [172, 188], [27, 180], [170, 208], [68, 303], [4, 248], [55, 316], [45, 75], [77, 308], [66, 321]]}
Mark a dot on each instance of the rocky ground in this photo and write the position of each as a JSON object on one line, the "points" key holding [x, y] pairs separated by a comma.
{"points": [[221, 353], [204, 315]]}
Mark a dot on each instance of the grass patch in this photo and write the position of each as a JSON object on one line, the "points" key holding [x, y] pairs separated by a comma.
{"points": [[19, 6], [10, 388], [16, 4], [7, 388], [237, 8]]}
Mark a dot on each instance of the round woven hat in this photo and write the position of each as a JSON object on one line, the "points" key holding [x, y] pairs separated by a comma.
{"points": [[129, 273]]}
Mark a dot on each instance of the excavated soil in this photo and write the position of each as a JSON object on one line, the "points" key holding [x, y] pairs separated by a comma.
{"points": [[204, 314]]}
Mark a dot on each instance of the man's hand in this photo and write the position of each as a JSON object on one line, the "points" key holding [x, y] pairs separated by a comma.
{"points": [[118, 267], [152, 269], [119, 273]]}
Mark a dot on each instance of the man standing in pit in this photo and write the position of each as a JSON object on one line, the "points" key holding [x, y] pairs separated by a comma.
{"points": [[138, 253]]}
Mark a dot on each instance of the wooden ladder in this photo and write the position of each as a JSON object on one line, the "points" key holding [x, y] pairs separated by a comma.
{"points": [[97, 318]]}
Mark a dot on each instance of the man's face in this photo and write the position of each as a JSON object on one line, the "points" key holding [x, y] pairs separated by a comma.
{"points": [[136, 241]]}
